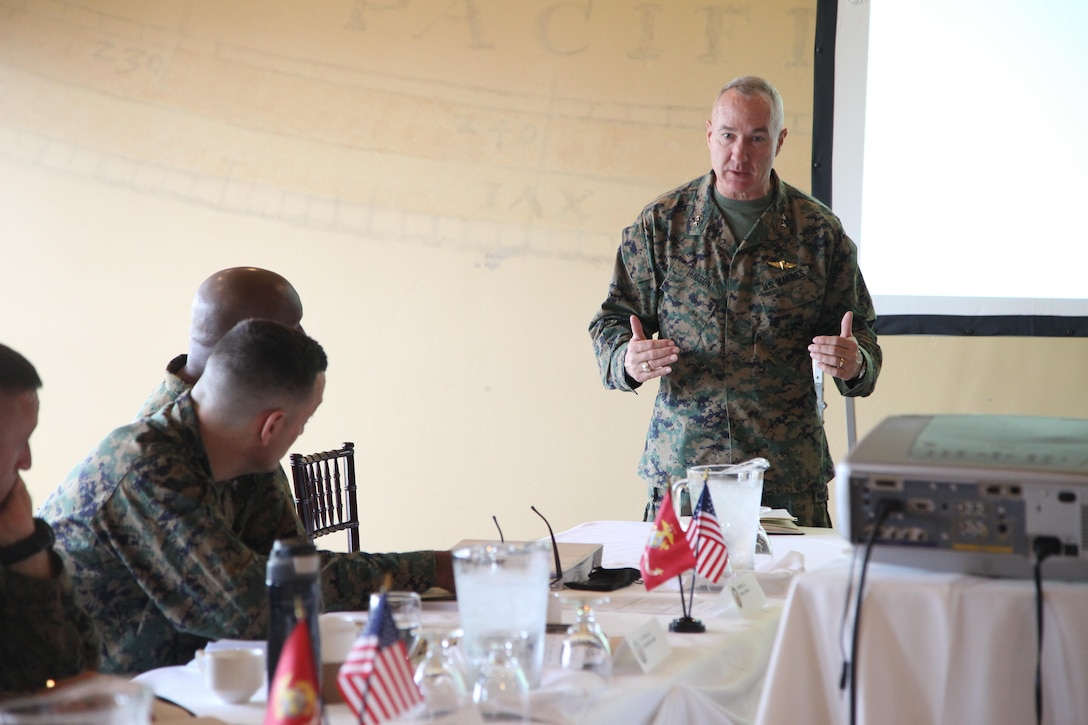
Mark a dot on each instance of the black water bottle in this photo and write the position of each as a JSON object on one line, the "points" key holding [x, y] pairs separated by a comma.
{"points": [[294, 590]]}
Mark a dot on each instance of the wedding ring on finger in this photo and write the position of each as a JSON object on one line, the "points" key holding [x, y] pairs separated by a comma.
{"points": [[842, 361], [647, 367]]}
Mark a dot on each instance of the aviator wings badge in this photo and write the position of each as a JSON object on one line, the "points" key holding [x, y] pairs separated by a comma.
{"points": [[782, 264]]}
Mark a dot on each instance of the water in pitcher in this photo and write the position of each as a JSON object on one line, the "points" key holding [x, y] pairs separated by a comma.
{"points": [[737, 492]]}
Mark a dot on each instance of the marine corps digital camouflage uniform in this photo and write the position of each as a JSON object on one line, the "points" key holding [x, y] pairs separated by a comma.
{"points": [[743, 314], [165, 559], [261, 505], [44, 635]]}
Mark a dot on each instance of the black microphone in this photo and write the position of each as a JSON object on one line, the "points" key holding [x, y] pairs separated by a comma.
{"points": [[558, 578]]}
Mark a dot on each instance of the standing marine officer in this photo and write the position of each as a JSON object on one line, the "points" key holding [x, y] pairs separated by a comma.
{"points": [[746, 282]]}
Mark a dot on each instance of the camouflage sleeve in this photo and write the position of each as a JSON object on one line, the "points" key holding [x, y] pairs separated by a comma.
{"points": [[631, 292], [203, 577], [348, 579], [265, 504], [846, 290], [45, 635], [166, 529]]}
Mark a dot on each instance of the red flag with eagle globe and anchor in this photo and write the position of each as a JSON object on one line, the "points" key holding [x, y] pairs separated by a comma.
{"points": [[293, 692], [668, 552]]}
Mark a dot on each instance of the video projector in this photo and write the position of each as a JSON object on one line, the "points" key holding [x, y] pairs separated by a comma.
{"points": [[971, 493]]}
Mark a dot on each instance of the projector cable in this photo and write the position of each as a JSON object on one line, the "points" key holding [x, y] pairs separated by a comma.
{"points": [[884, 509], [1043, 547]]}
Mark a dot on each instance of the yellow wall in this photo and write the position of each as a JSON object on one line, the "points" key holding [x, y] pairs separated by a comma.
{"points": [[444, 182]]}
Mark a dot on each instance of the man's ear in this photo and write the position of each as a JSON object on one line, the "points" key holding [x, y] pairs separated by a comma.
{"points": [[273, 421], [781, 140]]}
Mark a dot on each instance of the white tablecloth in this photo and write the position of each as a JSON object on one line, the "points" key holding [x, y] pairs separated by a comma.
{"points": [[933, 648], [715, 677]]}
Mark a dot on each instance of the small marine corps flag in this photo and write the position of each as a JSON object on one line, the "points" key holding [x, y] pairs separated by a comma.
{"points": [[293, 693], [667, 553]]}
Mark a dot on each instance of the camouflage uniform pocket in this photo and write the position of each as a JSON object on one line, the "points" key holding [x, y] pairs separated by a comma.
{"points": [[786, 317], [687, 314]]}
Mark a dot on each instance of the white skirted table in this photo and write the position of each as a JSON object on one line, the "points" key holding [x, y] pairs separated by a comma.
{"points": [[933, 648]]}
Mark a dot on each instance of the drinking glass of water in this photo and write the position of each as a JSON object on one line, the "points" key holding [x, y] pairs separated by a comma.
{"points": [[502, 590]]}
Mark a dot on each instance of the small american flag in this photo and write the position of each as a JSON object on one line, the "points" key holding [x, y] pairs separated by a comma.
{"points": [[376, 678], [705, 536]]}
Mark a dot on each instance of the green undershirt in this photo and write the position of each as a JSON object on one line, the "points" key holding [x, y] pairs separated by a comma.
{"points": [[741, 215]]}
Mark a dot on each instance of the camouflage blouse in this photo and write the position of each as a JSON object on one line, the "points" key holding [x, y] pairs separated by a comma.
{"points": [[743, 314]]}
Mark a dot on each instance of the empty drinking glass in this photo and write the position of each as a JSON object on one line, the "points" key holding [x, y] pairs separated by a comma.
{"points": [[502, 689], [99, 700], [439, 675], [585, 647], [407, 611], [763, 542]]}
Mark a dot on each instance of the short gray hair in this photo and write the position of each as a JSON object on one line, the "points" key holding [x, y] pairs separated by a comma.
{"points": [[749, 86]]}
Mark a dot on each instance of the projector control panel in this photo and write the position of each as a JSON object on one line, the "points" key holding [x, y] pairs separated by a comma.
{"points": [[985, 522], [942, 515]]}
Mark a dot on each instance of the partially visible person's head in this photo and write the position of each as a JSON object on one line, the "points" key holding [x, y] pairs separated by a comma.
{"points": [[262, 371], [19, 383], [230, 296], [744, 134]]}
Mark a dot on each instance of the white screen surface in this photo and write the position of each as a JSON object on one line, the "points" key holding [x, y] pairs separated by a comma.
{"points": [[973, 161]]}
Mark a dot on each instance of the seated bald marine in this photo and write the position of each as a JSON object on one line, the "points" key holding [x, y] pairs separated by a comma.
{"points": [[222, 301]]}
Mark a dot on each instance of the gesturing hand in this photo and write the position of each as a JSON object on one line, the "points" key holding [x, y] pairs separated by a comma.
{"points": [[838, 355], [647, 358]]}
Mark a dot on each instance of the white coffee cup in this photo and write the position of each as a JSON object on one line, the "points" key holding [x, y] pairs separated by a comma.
{"points": [[234, 674], [338, 633]]}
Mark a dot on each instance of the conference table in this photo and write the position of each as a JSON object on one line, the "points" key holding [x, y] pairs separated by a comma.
{"points": [[713, 677]]}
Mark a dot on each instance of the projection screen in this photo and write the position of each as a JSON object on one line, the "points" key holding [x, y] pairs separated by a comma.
{"points": [[957, 161]]}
